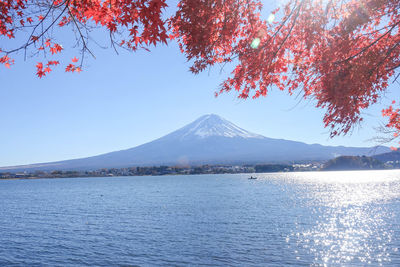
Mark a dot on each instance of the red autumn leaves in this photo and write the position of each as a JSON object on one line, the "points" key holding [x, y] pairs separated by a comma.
{"points": [[142, 21], [341, 54], [71, 67]]}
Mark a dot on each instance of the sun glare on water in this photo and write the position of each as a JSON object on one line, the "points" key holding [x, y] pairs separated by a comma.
{"points": [[354, 224]]}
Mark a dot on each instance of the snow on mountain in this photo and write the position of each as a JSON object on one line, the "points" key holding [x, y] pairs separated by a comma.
{"points": [[208, 140], [212, 125]]}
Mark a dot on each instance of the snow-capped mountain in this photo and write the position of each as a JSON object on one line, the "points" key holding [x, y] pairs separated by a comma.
{"points": [[208, 140], [210, 126]]}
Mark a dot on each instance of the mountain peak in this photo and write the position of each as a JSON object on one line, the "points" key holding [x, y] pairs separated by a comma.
{"points": [[196, 144], [213, 125], [210, 116]]}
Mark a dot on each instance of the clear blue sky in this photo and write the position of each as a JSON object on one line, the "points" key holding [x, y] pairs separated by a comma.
{"points": [[121, 101]]}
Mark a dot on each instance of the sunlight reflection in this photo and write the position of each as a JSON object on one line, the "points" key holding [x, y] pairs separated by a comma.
{"points": [[271, 18], [353, 225], [255, 43], [348, 236]]}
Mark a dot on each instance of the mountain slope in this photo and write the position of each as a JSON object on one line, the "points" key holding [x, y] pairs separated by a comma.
{"points": [[208, 140], [390, 156], [346, 163]]}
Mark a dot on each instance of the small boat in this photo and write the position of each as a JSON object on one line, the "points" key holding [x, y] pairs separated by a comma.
{"points": [[252, 178]]}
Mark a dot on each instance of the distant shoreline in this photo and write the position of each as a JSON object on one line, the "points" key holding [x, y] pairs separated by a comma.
{"points": [[341, 163], [161, 170], [121, 176]]}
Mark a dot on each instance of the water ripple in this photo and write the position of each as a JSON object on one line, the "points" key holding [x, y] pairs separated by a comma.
{"points": [[302, 219]]}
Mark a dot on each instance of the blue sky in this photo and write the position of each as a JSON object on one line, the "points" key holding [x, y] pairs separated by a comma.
{"points": [[121, 101]]}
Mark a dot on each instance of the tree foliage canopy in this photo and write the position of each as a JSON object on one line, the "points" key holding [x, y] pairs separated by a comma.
{"points": [[342, 53]]}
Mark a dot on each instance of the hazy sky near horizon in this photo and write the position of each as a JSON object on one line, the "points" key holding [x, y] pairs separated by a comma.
{"points": [[121, 101]]}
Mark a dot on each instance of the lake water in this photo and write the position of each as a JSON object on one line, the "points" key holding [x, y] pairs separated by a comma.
{"points": [[332, 218]]}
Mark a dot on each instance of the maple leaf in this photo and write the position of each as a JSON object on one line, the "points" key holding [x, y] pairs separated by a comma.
{"points": [[341, 54], [69, 68], [56, 48], [53, 62], [39, 70], [40, 73], [6, 60], [57, 2]]}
